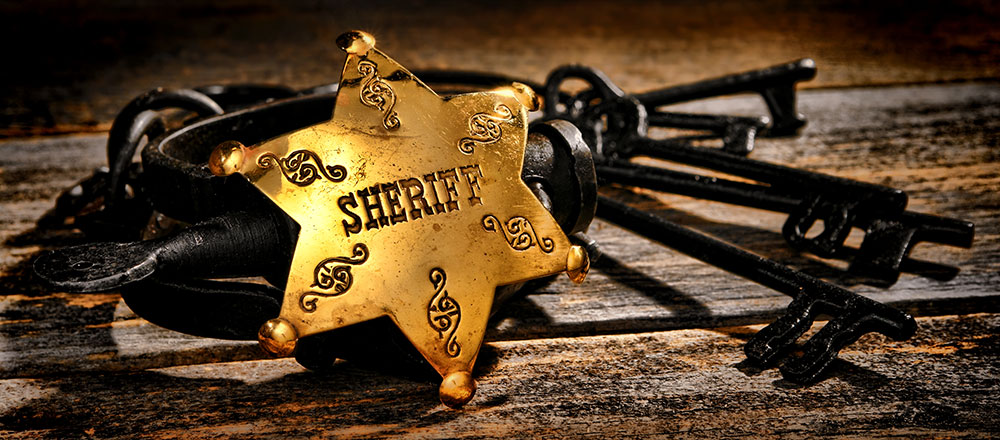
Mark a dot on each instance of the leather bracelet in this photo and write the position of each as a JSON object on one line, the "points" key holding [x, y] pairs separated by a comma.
{"points": [[175, 173], [177, 183]]}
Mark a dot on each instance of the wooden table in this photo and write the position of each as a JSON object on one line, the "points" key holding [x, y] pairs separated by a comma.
{"points": [[650, 345]]}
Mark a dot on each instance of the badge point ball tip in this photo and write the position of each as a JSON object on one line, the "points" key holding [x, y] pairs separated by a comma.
{"points": [[577, 264], [227, 158], [526, 96], [356, 42], [277, 337], [457, 389]]}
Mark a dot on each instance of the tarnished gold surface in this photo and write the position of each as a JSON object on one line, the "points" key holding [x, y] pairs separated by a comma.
{"points": [[577, 264], [227, 158], [411, 206], [457, 389], [277, 337]]}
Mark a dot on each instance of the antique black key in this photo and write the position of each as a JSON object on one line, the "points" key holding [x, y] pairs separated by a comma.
{"points": [[775, 84], [737, 132], [852, 315], [882, 255], [615, 125]]}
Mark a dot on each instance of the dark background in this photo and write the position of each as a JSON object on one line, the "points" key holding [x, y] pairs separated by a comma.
{"points": [[70, 65]]}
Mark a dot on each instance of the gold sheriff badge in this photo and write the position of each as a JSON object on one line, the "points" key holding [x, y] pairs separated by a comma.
{"points": [[410, 205]]}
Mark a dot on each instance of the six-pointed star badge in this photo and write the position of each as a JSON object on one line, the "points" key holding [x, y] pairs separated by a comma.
{"points": [[410, 205]]}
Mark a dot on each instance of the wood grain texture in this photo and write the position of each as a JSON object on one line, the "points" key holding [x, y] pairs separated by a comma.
{"points": [[942, 383], [938, 143], [75, 64], [650, 346]]}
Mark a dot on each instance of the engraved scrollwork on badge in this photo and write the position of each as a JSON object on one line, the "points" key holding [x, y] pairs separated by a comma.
{"points": [[298, 170], [444, 313], [333, 274], [378, 94], [484, 128], [518, 233]]}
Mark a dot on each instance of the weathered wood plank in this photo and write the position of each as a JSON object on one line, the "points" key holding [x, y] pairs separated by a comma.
{"points": [[74, 65], [937, 142], [942, 383]]}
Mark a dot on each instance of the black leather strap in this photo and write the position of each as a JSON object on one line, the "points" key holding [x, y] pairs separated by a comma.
{"points": [[177, 183], [175, 175], [166, 280]]}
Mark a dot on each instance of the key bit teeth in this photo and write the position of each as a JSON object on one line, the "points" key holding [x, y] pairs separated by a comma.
{"points": [[772, 342], [804, 371], [823, 348]]}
